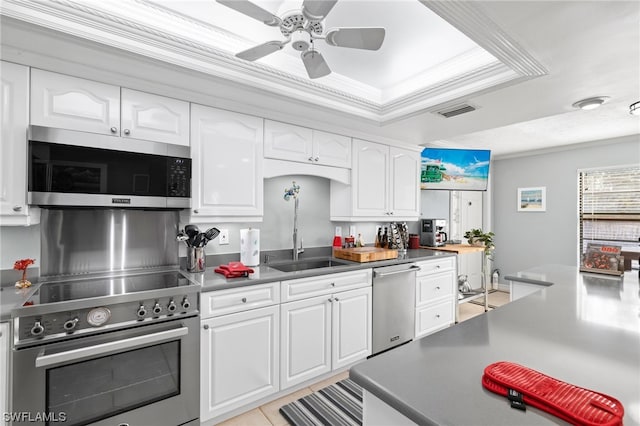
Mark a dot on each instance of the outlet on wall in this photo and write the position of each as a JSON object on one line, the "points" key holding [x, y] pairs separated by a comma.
{"points": [[338, 231], [352, 231], [223, 238]]}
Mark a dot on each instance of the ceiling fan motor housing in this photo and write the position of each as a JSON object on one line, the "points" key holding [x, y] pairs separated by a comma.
{"points": [[300, 40]]}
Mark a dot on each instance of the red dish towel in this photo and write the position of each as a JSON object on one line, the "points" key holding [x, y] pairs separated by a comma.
{"points": [[571, 403], [234, 270]]}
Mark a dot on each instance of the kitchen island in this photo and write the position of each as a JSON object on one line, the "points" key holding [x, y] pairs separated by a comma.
{"points": [[583, 329]]}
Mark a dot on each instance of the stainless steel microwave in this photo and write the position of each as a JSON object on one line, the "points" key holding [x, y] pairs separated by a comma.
{"points": [[69, 168]]}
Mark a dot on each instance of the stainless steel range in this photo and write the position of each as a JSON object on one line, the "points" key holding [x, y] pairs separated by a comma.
{"points": [[108, 348]]}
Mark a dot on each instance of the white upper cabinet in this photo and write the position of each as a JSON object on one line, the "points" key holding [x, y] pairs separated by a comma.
{"points": [[284, 141], [385, 184], [66, 102], [227, 181], [14, 113], [330, 149], [155, 118], [73, 103]]}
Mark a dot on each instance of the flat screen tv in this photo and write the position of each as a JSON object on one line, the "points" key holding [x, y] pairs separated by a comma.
{"points": [[455, 169]]}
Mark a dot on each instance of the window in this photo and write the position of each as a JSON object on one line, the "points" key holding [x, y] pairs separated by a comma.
{"points": [[610, 208]]}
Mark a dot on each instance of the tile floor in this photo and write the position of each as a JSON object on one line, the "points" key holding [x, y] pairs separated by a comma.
{"points": [[269, 414]]}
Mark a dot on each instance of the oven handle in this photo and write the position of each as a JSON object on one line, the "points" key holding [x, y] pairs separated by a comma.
{"points": [[75, 354]]}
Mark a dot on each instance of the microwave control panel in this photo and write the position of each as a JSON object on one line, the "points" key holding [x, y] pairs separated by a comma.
{"points": [[179, 177]]}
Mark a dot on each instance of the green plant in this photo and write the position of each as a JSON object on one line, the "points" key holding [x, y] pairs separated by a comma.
{"points": [[478, 237]]}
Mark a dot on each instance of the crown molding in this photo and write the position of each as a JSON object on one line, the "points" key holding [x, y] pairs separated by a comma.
{"points": [[86, 21]]}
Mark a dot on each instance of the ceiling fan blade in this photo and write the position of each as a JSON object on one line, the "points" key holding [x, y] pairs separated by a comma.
{"points": [[316, 10], [260, 50], [253, 11], [315, 64], [357, 38]]}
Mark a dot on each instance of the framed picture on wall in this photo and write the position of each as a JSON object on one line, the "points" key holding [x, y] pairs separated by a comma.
{"points": [[532, 199]]}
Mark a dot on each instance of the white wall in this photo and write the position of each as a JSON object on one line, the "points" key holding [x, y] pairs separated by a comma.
{"points": [[527, 239]]}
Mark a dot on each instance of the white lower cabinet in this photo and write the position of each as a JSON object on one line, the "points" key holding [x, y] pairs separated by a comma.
{"points": [[239, 355], [435, 295], [4, 368], [324, 332]]}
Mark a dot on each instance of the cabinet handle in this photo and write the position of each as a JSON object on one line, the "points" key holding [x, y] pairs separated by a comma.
{"points": [[316, 159], [437, 288], [391, 213], [17, 208], [244, 300], [114, 130], [437, 266], [127, 131], [336, 299], [206, 326], [437, 315], [310, 158], [330, 299], [196, 211], [333, 284]]}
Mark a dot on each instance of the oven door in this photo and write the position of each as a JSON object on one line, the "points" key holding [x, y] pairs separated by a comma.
{"points": [[147, 375]]}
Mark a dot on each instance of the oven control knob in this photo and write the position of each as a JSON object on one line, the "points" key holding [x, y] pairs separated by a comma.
{"points": [[70, 324], [157, 308], [37, 329], [142, 312], [171, 307], [185, 303]]}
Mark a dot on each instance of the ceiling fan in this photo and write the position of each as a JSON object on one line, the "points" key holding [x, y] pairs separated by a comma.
{"points": [[301, 28]]}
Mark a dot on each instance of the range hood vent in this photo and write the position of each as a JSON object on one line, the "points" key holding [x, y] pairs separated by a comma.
{"points": [[456, 110]]}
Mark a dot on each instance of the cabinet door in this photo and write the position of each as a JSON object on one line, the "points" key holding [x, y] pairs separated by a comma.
{"points": [[351, 326], [239, 360], [404, 182], [14, 116], [73, 103], [305, 347], [370, 174], [4, 370], [155, 118], [226, 149], [331, 150], [287, 142]]}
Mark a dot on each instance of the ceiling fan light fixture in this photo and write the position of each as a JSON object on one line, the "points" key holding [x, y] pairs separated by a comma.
{"points": [[634, 108], [590, 103]]}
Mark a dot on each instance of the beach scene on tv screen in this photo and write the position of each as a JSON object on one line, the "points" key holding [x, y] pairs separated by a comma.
{"points": [[455, 169]]}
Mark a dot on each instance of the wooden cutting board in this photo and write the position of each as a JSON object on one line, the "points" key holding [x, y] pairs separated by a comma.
{"points": [[365, 254]]}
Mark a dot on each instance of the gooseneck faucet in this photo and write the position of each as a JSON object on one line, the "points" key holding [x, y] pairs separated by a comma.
{"points": [[288, 193]]}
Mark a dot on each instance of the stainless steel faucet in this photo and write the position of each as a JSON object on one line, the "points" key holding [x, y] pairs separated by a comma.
{"points": [[288, 193], [296, 249]]}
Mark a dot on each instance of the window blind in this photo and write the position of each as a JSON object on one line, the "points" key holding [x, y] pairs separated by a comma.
{"points": [[610, 207]]}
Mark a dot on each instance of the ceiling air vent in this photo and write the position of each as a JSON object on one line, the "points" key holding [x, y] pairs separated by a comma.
{"points": [[456, 110]]}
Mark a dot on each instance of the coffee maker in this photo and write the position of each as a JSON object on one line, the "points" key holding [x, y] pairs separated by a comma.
{"points": [[432, 232]]}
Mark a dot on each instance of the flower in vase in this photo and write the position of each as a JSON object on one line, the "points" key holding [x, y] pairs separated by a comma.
{"points": [[22, 265]]}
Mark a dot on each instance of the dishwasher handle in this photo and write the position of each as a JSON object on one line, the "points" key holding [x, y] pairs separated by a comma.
{"points": [[413, 268]]}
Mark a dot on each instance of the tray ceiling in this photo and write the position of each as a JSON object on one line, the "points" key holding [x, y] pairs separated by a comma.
{"points": [[434, 53]]}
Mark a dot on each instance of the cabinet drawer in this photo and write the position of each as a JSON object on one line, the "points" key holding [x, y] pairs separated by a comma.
{"points": [[434, 286], [433, 318], [303, 288], [436, 265], [221, 302]]}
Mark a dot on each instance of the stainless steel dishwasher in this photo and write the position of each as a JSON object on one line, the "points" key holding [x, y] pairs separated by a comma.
{"points": [[394, 289]]}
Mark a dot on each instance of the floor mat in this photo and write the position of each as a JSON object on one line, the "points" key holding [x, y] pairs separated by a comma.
{"points": [[337, 404]]}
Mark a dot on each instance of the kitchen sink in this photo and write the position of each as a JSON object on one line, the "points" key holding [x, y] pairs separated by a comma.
{"points": [[303, 265]]}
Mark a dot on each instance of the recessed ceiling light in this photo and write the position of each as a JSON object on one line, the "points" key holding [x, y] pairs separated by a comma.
{"points": [[634, 108], [591, 103]]}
